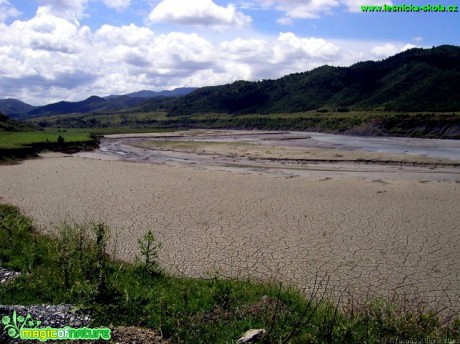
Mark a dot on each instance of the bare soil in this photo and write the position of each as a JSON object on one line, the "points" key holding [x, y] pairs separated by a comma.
{"points": [[374, 229]]}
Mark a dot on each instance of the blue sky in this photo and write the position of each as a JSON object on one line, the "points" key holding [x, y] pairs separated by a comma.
{"points": [[53, 50]]}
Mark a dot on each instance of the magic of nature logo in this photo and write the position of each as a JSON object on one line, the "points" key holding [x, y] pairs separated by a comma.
{"points": [[27, 328]]}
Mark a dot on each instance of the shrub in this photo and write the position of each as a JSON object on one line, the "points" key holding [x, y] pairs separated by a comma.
{"points": [[148, 247]]}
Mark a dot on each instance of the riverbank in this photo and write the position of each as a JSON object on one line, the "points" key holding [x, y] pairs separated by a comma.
{"points": [[32, 150]]}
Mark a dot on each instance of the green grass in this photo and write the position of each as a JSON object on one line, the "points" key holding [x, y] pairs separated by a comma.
{"points": [[10, 140], [110, 120], [73, 267]]}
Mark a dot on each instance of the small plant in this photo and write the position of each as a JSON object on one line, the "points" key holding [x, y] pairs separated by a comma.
{"points": [[102, 269], [84, 263], [60, 139], [148, 247]]}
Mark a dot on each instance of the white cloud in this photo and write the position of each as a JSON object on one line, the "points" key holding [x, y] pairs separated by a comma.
{"points": [[199, 12], [302, 8], [46, 32], [75, 9], [119, 5], [7, 10], [285, 21], [384, 50], [302, 51], [251, 5], [287, 53], [417, 39], [130, 35], [389, 49], [43, 55], [68, 9], [407, 47], [307, 9]]}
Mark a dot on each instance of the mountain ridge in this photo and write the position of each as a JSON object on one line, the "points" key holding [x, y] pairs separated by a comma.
{"points": [[181, 91], [15, 108], [414, 80]]}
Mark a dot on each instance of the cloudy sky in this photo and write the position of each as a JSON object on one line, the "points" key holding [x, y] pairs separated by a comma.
{"points": [[53, 50]]}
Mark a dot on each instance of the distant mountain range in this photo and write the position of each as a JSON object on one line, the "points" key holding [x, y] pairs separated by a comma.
{"points": [[152, 94], [17, 109], [14, 108], [92, 104], [411, 81]]}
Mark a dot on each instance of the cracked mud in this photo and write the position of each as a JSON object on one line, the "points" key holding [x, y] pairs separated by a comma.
{"points": [[387, 225]]}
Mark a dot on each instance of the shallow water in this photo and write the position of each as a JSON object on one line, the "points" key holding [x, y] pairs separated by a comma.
{"points": [[433, 148]]}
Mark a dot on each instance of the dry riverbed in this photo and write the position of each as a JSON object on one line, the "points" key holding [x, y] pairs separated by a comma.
{"points": [[388, 225]]}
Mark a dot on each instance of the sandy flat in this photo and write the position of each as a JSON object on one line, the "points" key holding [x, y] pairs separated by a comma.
{"points": [[371, 237], [290, 154]]}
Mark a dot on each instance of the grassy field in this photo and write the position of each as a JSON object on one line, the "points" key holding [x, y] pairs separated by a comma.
{"points": [[117, 130], [9, 140], [12, 140], [75, 267], [112, 120]]}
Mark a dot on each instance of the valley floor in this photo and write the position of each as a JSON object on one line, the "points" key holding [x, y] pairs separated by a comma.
{"points": [[392, 232]]}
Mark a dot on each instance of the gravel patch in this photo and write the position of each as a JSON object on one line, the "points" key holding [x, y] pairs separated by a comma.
{"points": [[7, 275]]}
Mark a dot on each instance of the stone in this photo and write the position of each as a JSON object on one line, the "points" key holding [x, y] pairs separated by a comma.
{"points": [[251, 336]]}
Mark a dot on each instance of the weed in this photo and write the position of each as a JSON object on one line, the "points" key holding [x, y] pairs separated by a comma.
{"points": [[148, 247]]}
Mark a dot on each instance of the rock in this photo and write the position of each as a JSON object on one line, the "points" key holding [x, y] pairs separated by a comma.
{"points": [[251, 336], [7, 275]]}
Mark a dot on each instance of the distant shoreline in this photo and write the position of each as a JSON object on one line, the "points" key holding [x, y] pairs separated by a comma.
{"points": [[33, 150]]}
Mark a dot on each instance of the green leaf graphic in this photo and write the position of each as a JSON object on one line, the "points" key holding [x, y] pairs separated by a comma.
{"points": [[14, 333], [12, 327], [6, 320]]}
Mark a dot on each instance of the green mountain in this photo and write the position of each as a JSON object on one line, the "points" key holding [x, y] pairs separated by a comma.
{"points": [[177, 92], [414, 80], [92, 104], [14, 108]]}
